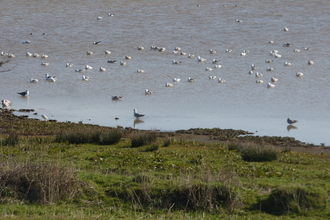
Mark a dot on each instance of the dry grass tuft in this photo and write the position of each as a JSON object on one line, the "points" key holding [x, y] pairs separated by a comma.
{"points": [[42, 183]]}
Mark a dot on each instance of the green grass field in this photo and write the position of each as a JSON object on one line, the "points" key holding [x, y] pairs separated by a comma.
{"points": [[52, 170]]}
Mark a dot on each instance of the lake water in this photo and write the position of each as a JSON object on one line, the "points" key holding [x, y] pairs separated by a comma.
{"points": [[71, 27]]}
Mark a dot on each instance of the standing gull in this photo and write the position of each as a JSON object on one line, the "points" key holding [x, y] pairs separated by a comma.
{"points": [[44, 117], [25, 93], [148, 92], [136, 114], [291, 121], [5, 103]]}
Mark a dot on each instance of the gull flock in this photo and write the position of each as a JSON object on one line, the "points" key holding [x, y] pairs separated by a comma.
{"points": [[215, 64]]}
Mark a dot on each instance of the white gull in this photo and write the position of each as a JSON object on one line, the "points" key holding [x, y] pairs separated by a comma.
{"points": [[168, 85], [299, 74], [221, 80], [200, 59], [258, 75], [69, 65], [191, 79], [32, 80], [291, 121], [136, 114], [88, 67], [212, 51], [85, 78], [273, 79], [5, 103], [148, 92], [287, 64], [25, 93], [270, 85], [176, 62]]}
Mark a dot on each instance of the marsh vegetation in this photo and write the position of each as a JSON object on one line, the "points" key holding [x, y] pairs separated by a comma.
{"points": [[53, 170]]}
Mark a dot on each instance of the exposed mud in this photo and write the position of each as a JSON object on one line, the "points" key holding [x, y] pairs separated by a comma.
{"points": [[10, 121]]}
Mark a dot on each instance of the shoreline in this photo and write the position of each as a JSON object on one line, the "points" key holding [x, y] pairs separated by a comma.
{"points": [[205, 135]]}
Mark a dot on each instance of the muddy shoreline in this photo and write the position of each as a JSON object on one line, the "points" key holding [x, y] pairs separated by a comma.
{"points": [[11, 122]]}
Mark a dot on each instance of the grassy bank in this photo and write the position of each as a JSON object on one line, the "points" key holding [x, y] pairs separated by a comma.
{"points": [[52, 170]]}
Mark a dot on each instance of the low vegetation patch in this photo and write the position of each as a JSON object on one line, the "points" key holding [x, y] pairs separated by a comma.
{"points": [[295, 200], [42, 183], [211, 192], [52, 170], [139, 139], [258, 153], [111, 137]]}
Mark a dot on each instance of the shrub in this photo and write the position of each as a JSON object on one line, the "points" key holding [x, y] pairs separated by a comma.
{"points": [[111, 137], [294, 199], [12, 139], [144, 138], [151, 148], [79, 135], [42, 183], [258, 153], [213, 192], [234, 147], [167, 142], [74, 137], [95, 136]]}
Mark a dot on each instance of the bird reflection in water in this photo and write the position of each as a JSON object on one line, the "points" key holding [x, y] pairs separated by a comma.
{"points": [[137, 121], [289, 127]]}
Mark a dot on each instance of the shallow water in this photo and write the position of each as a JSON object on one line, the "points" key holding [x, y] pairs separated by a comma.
{"points": [[71, 27]]}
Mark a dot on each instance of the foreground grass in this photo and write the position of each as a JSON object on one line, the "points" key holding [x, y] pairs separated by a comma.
{"points": [[47, 177]]}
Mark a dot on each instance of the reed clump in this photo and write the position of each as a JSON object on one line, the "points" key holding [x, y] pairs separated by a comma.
{"points": [[213, 192], [295, 200], [12, 139], [255, 152], [42, 183], [151, 148], [139, 139], [90, 135], [111, 137]]}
